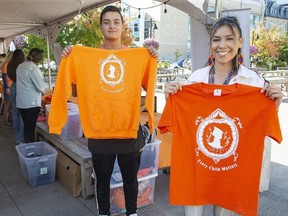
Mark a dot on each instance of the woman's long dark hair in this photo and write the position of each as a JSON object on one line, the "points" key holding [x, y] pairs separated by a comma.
{"points": [[18, 57]]}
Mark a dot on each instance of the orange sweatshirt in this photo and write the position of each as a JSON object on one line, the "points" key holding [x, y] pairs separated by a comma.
{"points": [[108, 90]]}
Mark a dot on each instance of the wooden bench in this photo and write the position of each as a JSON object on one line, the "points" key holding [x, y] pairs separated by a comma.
{"points": [[160, 87], [171, 77], [76, 149], [163, 79], [281, 81], [274, 73]]}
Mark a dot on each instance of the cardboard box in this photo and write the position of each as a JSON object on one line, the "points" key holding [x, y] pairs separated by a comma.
{"points": [[68, 174]]}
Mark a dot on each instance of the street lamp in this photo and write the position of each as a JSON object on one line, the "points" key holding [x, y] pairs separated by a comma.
{"points": [[150, 27], [253, 37]]}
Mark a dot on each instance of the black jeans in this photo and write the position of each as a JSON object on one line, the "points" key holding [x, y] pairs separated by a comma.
{"points": [[129, 165], [29, 117]]}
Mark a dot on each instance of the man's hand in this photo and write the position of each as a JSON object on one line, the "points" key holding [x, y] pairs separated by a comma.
{"points": [[153, 51], [66, 51]]}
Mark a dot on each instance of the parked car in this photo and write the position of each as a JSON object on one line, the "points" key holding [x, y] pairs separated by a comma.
{"points": [[180, 63], [184, 63], [166, 64], [187, 63], [53, 66]]}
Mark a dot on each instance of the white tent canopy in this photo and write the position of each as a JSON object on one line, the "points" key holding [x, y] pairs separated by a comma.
{"points": [[47, 17], [42, 17], [18, 16]]}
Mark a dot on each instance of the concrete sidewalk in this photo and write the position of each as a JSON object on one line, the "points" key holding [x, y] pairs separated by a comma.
{"points": [[17, 198]]}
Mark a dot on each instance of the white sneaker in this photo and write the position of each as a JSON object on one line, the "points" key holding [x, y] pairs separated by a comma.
{"points": [[135, 214]]}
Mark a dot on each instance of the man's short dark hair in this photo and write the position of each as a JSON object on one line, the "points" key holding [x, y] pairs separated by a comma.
{"points": [[35, 55]]}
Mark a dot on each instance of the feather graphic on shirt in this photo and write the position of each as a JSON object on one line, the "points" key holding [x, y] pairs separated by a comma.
{"points": [[217, 135]]}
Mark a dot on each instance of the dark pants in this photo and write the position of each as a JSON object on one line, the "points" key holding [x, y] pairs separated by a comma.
{"points": [[29, 117], [18, 126], [129, 165], [4, 79]]}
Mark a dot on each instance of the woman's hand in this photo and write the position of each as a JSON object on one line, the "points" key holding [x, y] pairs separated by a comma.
{"points": [[153, 51], [274, 93], [66, 51], [172, 88]]}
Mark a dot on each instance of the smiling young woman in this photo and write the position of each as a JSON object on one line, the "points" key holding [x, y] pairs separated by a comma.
{"points": [[225, 62], [224, 67]]}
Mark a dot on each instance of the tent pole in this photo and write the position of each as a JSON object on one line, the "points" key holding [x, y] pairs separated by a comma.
{"points": [[218, 9], [48, 57]]}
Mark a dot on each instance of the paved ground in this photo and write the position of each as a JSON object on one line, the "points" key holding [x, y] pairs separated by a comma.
{"points": [[17, 198]]}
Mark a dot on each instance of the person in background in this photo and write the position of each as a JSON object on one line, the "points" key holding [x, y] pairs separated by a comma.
{"points": [[2, 57], [105, 151], [6, 91], [30, 87], [18, 126], [224, 67]]}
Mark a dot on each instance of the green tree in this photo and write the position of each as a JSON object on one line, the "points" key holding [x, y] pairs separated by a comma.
{"points": [[34, 41], [85, 29], [177, 55], [269, 43], [283, 50]]}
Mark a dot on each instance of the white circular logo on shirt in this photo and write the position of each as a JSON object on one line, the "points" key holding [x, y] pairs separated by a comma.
{"points": [[217, 136], [112, 73]]}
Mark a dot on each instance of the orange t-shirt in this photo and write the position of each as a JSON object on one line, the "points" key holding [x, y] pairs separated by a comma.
{"points": [[108, 90], [218, 138], [4, 70]]}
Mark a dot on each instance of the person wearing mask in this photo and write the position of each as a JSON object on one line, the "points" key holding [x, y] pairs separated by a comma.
{"points": [[30, 87], [18, 57], [108, 83], [6, 90], [224, 68]]}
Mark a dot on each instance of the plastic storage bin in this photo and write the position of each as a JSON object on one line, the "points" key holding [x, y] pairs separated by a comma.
{"points": [[37, 162], [148, 165], [72, 128], [146, 188]]}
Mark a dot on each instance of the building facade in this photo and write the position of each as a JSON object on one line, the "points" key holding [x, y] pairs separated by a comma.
{"points": [[171, 27], [276, 14], [164, 23]]}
